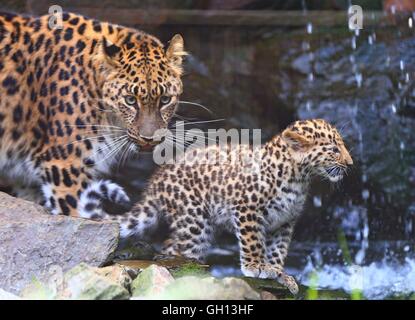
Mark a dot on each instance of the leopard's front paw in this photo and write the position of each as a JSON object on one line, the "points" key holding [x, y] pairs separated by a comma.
{"points": [[91, 199], [113, 192]]}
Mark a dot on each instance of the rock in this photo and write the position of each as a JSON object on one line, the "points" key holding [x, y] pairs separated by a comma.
{"points": [[86, 283], [4, 295], [82, 282], [208, 288], [37, 290], [271, 286], [116, 273], [265, 295], [35, 244], [151, 281], [169, 262]]}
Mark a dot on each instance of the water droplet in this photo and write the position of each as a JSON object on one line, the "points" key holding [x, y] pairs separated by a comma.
{"points": [[359, 79], [311, 56], [407, 77], [406, 248], [354, 43], [311, 77], [308, 105], [365, 194], [388, 61], [402, 145], [393, 108], [305, 46], [364, 178], [309, 28], [357, 32], [410, 22], [317, 201], [370, 40], [401, 65]]}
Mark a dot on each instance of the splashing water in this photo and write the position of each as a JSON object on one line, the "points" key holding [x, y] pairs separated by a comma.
{"points": [[309, 28], [378, 280]]}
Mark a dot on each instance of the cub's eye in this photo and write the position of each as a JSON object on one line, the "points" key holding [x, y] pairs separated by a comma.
{"points": [[165, 100], [335, 150], [130, 100]]}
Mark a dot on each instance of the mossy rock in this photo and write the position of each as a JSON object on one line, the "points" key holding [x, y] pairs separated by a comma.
{"points": [[176, 265]]}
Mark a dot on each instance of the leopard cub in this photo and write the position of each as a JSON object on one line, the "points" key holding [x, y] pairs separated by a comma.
{"points": [[259, 201]]}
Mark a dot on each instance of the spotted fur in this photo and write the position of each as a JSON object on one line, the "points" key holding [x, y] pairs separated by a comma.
{"points": [[73, 99], [258, 199]]}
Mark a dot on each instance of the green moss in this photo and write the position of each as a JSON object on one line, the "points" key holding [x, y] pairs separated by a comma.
{"points": [[190, 269]]}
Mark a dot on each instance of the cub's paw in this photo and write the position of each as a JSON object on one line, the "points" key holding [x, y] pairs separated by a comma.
{"points": [[267, 271], [260, 270], [251, 270], [289, 282]]}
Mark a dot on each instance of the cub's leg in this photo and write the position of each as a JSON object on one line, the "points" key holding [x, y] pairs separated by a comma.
{"points": [[277, 250], [253, 252], [71, 190], [190, 234], [278, 243]]}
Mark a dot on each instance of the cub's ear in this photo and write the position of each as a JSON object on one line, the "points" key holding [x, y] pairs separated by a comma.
{"points": [[111, 51], [296, 140], [175, 53]]}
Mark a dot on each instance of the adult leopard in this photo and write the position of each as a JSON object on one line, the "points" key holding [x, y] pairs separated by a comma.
{"points": [[71, 98]]}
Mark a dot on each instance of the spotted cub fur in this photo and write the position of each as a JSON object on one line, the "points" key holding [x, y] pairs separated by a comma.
{"points": [[73, 99], [258, 199]]}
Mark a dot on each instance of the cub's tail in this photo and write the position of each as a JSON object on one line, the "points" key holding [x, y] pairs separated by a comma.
{"points": [[140, 221]]}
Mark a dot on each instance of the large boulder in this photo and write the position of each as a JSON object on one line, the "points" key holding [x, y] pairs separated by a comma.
{"points": [[37, 245]]}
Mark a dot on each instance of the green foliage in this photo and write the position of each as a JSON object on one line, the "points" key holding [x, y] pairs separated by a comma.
{"points": [[312, 291], [189, 269]]}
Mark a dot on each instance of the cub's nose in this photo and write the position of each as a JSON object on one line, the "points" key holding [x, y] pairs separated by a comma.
{"points": [[347, 159]]}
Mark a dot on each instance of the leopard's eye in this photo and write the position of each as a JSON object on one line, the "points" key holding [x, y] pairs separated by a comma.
{"points": [[165, 100], [130, 100]]}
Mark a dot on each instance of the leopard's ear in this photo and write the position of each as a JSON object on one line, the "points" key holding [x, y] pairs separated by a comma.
{"points": [[111, 51], [175, 53], [296, 140]]}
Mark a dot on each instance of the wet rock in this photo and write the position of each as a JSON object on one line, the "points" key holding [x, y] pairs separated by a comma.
{"points": [[208, 288], [37, 245], [151, 281], [4, 295]]}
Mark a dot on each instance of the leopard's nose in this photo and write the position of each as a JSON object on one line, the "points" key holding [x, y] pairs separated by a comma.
{"points": [[146, 138]]}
